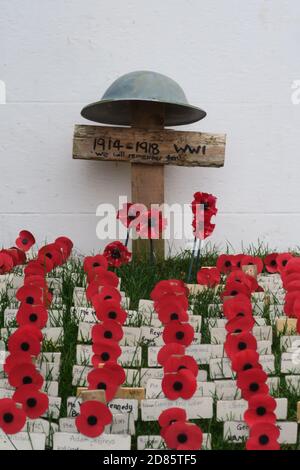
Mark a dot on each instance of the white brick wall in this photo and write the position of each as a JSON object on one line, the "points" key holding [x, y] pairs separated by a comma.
{"points": [[235, 59]]}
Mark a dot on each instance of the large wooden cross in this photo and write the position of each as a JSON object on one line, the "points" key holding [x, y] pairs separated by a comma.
{"points": [[148, 147]]}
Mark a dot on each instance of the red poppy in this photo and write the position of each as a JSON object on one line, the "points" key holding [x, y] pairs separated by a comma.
{"points": [[25, 374], [253, 260], [111, 310], [35, 268], [109, 329], [183, 435], [117, 254], [171, 286], [260, 410], [34, 402], [168, 298], [202, 226], [116, 371], [31, 295], [240, 324], [176, 363], [282, 261], [103, 277], [238, 276], [288, 280], [107, 350], [101, 379], [270, 262], [232, 289], [24, 340], [168, 350], [245, 360], [35, 315], [176, 332], [292, 266], [25, 240], [14, 360], [225, 263], [208, 201], [236, 343], [289, 303], [182, 384], [18, 256], [263, 436], [93, 417], [97, 294], [129, 213], [171, 310], [12, 419], [51, 252], [150, 224], [208, 277], [92, 262], [171, 416], [6, 263], [252, 382], [65, 245], [237, 307]]}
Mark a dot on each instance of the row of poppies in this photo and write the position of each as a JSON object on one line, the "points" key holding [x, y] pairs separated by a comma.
{"points": [[241, 348], [16, 255], [180, 370], [291, 282], [24, 345], [107, 375]]}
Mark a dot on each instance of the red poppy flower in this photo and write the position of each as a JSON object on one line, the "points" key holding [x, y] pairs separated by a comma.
{"points": [[208, 277], [93, 417], [249, 260], [282, 261], [117, 254], [176, 332], [25, 240], [107, 350], [116, 371], [171, 286], [237, 307], [263, 436], [234, 288], [6, 263], [171, 310], [252, 382], [225, 263], [150, 224], [12, 419], [289, 302], [31, 295], [165, 299], [168, 350], [14, 360], [270, 262], [34, 402], [18, 256], [245, 360], [240, 325], [109, 329], [36, 315], [176, 363], [129, 213], [103, 277], [24, 340], [65, 245], [236, 343], [260, 410], [97, 294], [51, 252], [92, 262], [111, 310], [24, 374], [292, 266], [182, 384], [182, 434], [171, 416], [208, 201], [101, 379], [35, 268], [202, 226], [288, 280], [238, 276]]}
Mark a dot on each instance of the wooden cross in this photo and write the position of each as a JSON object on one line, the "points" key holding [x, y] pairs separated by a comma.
{"points": [[148, 147]]}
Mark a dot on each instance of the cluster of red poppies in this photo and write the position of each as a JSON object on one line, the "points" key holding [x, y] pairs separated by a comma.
{"points": [[147, 223], [203, 208], [107, 374], [16, 255], [24, 345], [180, 369], [291, 282], [241, 348]]}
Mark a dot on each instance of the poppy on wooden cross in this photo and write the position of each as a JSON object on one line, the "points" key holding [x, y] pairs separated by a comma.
{"points": [[146, 101]]}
